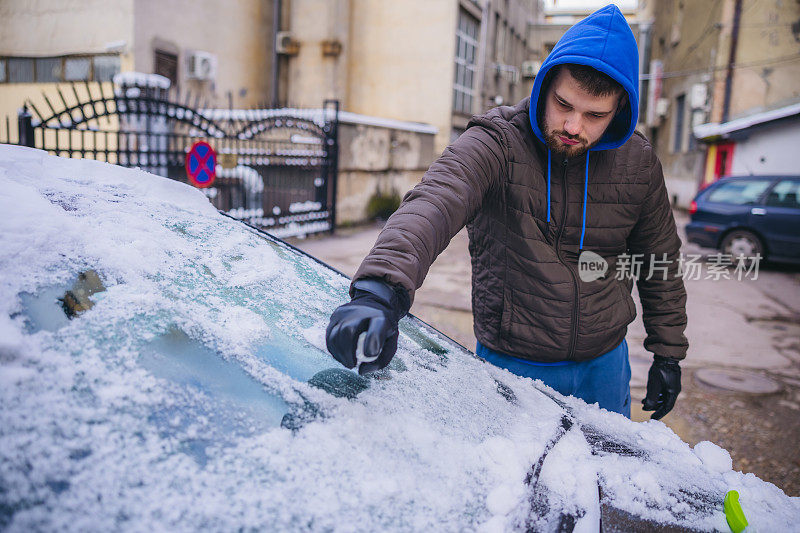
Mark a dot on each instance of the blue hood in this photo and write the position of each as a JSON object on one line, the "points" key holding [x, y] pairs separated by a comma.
{"points": [[605, 42]]}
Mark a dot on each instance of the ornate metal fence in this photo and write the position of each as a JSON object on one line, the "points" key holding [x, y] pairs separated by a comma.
{"points": [[277, 168]]}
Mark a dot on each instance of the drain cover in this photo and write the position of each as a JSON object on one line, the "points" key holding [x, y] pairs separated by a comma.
{"points": [[737, 381]]}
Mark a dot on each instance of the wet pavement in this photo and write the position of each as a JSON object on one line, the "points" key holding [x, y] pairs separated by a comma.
{"points": [[741, 378]]}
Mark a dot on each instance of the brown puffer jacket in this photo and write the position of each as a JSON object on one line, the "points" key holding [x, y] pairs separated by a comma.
{"points": [[528, 298]]}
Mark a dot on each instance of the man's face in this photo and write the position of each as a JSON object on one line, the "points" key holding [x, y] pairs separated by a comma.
{"points": [[575, 120]]}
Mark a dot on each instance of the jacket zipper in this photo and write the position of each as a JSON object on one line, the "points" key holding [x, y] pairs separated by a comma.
{"points": [[574, 323]]}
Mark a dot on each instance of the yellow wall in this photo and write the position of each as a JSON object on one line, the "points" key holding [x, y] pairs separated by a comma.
{"points": [[402, 62], [58, 27], [312, 77], [51, 27], [238, 32], [711, 160], [768, 70], [397, 58], [767, 64], [14, 95]]}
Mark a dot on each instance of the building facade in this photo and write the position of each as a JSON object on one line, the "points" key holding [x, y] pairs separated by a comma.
{"points": [[716, 63], [431, 62], [504, 50], [219, 51]]}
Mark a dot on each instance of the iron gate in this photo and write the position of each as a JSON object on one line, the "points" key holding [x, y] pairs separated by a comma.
{"points": [[277, 168]]}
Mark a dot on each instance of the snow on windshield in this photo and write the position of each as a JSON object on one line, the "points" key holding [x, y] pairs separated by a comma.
{"points": [[194, 391]]}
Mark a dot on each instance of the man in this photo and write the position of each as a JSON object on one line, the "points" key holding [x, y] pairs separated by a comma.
{"points": [[558, 177]]}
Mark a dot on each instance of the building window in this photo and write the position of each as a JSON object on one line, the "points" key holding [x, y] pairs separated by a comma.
{"points": [[505, 44], [680, 112], [58, 69], [105, 67], [77, 68], [466, 55], [166, 65], [20, 70], [49, 69], [498, 38]]}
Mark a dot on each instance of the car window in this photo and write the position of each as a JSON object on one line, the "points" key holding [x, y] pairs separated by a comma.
{"points": [[739, 192], [785, 194]]}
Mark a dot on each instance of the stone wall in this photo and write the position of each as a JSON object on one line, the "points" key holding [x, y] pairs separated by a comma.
{"points": [[378, 159]]}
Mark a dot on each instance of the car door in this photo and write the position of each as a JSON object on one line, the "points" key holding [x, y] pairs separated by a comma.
{"points": [[778, 218], [729, 204]]}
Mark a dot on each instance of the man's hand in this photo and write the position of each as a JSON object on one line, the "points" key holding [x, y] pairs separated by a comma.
{"points": [[663, 386], [376, 309]]}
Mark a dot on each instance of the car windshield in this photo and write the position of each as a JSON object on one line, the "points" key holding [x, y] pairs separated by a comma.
{"points": [[163, 367], [739, 192]]}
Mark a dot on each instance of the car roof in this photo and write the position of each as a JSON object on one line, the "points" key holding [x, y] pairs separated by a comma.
{"points": [[758, 177]]}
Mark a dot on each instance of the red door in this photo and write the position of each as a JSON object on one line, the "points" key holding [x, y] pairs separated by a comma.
{"points": [[724, 162]]}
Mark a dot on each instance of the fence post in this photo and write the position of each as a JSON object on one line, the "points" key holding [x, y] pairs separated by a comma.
{"points": [[332, 149], [25, 128]]}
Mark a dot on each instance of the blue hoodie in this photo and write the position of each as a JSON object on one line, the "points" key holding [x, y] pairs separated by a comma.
{"points": [[605, 42]]}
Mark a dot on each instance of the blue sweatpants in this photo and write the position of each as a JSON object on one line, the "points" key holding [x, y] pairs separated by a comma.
{"points": [[604, 380]]}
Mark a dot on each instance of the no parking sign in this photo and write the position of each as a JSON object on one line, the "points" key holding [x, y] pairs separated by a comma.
{"points": [[201, 164]]}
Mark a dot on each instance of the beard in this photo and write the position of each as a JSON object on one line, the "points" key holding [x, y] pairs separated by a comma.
{"points": [[555, 145]]}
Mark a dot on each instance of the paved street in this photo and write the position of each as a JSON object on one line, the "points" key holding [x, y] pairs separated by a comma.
{"points": [[741, 377]]}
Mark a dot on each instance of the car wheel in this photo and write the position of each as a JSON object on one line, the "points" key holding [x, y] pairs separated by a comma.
{"points": [[742, 243]]}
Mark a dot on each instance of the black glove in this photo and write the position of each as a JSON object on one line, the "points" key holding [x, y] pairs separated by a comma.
{"points": [[376, 307], [663, 386]]}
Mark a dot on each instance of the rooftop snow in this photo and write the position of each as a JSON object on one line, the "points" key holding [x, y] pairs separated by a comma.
{"points": [[317, 116], [141, 79], [714, 129]]}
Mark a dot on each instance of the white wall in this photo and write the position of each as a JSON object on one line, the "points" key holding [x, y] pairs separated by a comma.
{"points": [[773, 149], [680, 191]]}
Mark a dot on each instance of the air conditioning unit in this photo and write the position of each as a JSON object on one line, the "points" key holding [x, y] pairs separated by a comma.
{"points": [[698, 95], [285, 44], [662, 107], [202, 66], [530, 68]]}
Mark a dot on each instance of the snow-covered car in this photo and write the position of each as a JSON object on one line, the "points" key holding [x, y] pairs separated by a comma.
{"points": [[163, 367]]}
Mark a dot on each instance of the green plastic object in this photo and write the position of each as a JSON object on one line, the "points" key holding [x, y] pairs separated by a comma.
{"points": [[733, 512]]}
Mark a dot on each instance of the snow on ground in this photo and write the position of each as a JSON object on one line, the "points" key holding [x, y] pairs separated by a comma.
{"points": [[196, 393]]}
